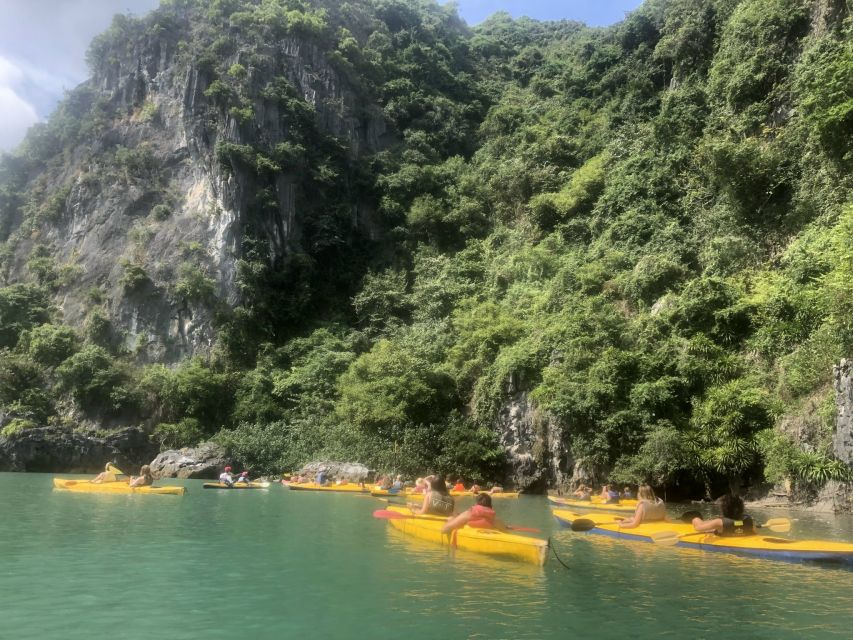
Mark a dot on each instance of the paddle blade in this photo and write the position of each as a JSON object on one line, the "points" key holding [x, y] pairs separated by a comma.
{"points": [[778, 525], [386, 514], [668, 538], [688, 516], [582, 524], [114, 469]]}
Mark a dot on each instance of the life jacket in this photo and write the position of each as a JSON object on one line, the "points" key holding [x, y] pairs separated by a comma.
{"points": [[440, 505], [482, 517], [653, 510], [734, 528]]}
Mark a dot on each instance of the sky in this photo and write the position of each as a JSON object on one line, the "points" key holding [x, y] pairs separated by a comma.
{"points": [[43, 44]]}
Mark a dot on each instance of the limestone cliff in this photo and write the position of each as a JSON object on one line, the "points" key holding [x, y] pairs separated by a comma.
{"points": [[158, 193]]}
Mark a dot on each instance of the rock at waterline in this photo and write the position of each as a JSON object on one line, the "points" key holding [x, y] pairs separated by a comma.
{"points": [[62, 450], [204, 461], [353, 471]]}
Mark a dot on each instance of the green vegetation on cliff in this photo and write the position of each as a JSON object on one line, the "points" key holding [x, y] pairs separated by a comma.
{"points": [[647, 229]]}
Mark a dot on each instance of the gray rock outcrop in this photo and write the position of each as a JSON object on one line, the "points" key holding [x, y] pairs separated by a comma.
{"points": [[58, 450], [533, 442], [842, 442], [204, 461], [354, 471]]}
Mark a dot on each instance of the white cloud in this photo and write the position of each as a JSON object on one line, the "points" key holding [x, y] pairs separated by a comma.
{"points": [[16, 114]]}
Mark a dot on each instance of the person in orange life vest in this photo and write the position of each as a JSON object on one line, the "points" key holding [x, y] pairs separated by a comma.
{"points": [[459, 486], [480, 516]]}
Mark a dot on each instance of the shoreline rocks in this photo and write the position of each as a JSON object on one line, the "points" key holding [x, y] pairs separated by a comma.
{"points": [[204, 461], [62, 450], [354, 471]]}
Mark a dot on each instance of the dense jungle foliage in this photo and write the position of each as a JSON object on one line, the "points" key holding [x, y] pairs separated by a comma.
{"points": [[647, 228]]}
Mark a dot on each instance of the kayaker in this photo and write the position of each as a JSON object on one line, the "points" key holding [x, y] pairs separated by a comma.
{"points": [[480, 516], [459, 486], [244, 477], [106, 475], [496, 488], [732, 523], [420, 486], [475, 488], [397, 485], [437, 500], [583, 492], [649, 509], [144, 479], [226, 478], [627, 494], [609, 495]]}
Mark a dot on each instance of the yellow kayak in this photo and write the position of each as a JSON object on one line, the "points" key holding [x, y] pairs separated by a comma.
{"points": [[494, 496], [486, 541], [341, 488], [85, 486], [753, 545], [236, 485], [625, 506]]}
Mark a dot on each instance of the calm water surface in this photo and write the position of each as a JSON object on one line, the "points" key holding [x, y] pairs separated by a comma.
{"points": [[275, 564]]}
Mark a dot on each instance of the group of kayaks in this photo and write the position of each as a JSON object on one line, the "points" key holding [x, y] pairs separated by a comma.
{"points": [[593, 516]]}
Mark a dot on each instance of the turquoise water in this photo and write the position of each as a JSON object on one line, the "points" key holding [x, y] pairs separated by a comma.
{"points": [[276, 564]]}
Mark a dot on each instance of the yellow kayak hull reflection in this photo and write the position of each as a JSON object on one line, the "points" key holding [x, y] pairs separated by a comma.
{"points": [[85, 486], [486, 541]]}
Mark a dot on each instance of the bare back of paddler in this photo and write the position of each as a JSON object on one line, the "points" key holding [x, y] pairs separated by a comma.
{"points": [[107, 475]]}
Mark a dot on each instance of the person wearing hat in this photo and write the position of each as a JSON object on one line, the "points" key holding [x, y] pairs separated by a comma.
{"points": [[244, 477], [225, 477]]}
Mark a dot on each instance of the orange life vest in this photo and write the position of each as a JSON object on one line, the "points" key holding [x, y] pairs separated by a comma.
{"points": [[482, 517]]}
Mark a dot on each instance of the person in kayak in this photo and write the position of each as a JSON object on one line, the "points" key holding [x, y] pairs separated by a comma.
{"points": [[420, 486], [437, 500], [226, 478], [732, 523], [397, 485], [649, 509], [627, 494], [609, 495], [244, 478], [480, 516], [144, 479], [107, 475], [583, 492], [459, 486]]}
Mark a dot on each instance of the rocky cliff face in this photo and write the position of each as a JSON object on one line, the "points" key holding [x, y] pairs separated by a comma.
{"points": [[534, 444], [57, 450], [147, 201], [843, 439]]}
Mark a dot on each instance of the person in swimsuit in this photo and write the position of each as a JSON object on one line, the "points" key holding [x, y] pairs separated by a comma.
{"points": [[437, 500], [733, 521], [144, 479], [649, 509]]}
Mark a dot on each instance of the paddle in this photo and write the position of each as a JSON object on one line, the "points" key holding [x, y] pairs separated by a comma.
{"points": [[386, 514], [115, 470], [584, 524], [776, 525]]}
